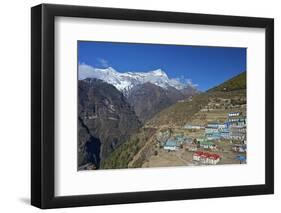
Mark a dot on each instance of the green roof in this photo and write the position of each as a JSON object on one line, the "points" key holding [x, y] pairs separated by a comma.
{"points": [[202, 138], [206, 143]]}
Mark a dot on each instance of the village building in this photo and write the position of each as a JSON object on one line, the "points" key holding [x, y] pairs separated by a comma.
{"points": [[222, 126], [225, 133], [208, 145], [214, 159], [242, 121], [176, 142], [213, 136], [209, 130], [196, 156], [242, 159], [206, 158], [213, 125], [236, 119], [193, 127], [237, 132], [239, 148], [234, 114], [171, 145], [181, 139], [216, 131]]}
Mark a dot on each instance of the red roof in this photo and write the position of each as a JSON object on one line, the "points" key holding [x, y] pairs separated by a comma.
{"points": [[207, 155], [198, 153], [215, 156]]}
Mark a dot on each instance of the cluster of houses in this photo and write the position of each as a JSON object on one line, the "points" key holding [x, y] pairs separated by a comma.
{"points": [[176, 142], [206, 157], [203, 147], [188, 143], [233, 129]]}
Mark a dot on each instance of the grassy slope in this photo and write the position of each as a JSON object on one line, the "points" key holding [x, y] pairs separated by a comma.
{"points": [[235, 83], [121, 157], [179, 113]]}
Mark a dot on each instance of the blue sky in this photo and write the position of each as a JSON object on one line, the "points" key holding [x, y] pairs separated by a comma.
{"points": [[205, 66]]}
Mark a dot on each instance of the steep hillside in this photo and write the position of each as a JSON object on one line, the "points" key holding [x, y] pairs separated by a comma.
{"points": [[126, 152], [179, 113], [236, 83], [182, 112], [88, 147], [148, 99], [106, 120]]}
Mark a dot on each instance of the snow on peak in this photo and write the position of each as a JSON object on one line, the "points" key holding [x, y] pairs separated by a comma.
{"points": [[127, 80], [159, 72]]}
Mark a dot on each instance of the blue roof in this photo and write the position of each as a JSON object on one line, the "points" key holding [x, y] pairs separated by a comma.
{"points": [[171, 142], [235, 113], [241, 158]]}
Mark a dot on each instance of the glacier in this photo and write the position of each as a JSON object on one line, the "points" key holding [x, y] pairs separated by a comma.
{"points": [[124, 81]]}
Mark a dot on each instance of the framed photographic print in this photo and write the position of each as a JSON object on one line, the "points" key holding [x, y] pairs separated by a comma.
{"points": [[139, 106]]}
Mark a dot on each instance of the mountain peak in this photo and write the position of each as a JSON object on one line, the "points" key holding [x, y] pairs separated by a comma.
{"points": [[110, 69], [159, 72], [125, 81]]}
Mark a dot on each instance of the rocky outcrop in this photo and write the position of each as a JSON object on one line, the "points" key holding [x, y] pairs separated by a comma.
{"points": [[148, 99], [106, 120]]}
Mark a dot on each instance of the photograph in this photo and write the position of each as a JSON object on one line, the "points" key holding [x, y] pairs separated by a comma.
{"points": [[160, 105], [133, 105]]}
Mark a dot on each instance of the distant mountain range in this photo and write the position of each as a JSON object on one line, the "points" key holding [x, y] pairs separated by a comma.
{"points": [[124, 82]]}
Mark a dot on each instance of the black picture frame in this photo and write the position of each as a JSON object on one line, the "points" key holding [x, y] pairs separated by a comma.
{"points": [[43, 110]]}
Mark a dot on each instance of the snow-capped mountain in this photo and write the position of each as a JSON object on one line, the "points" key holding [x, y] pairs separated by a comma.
{"points": [[126, 81]]}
